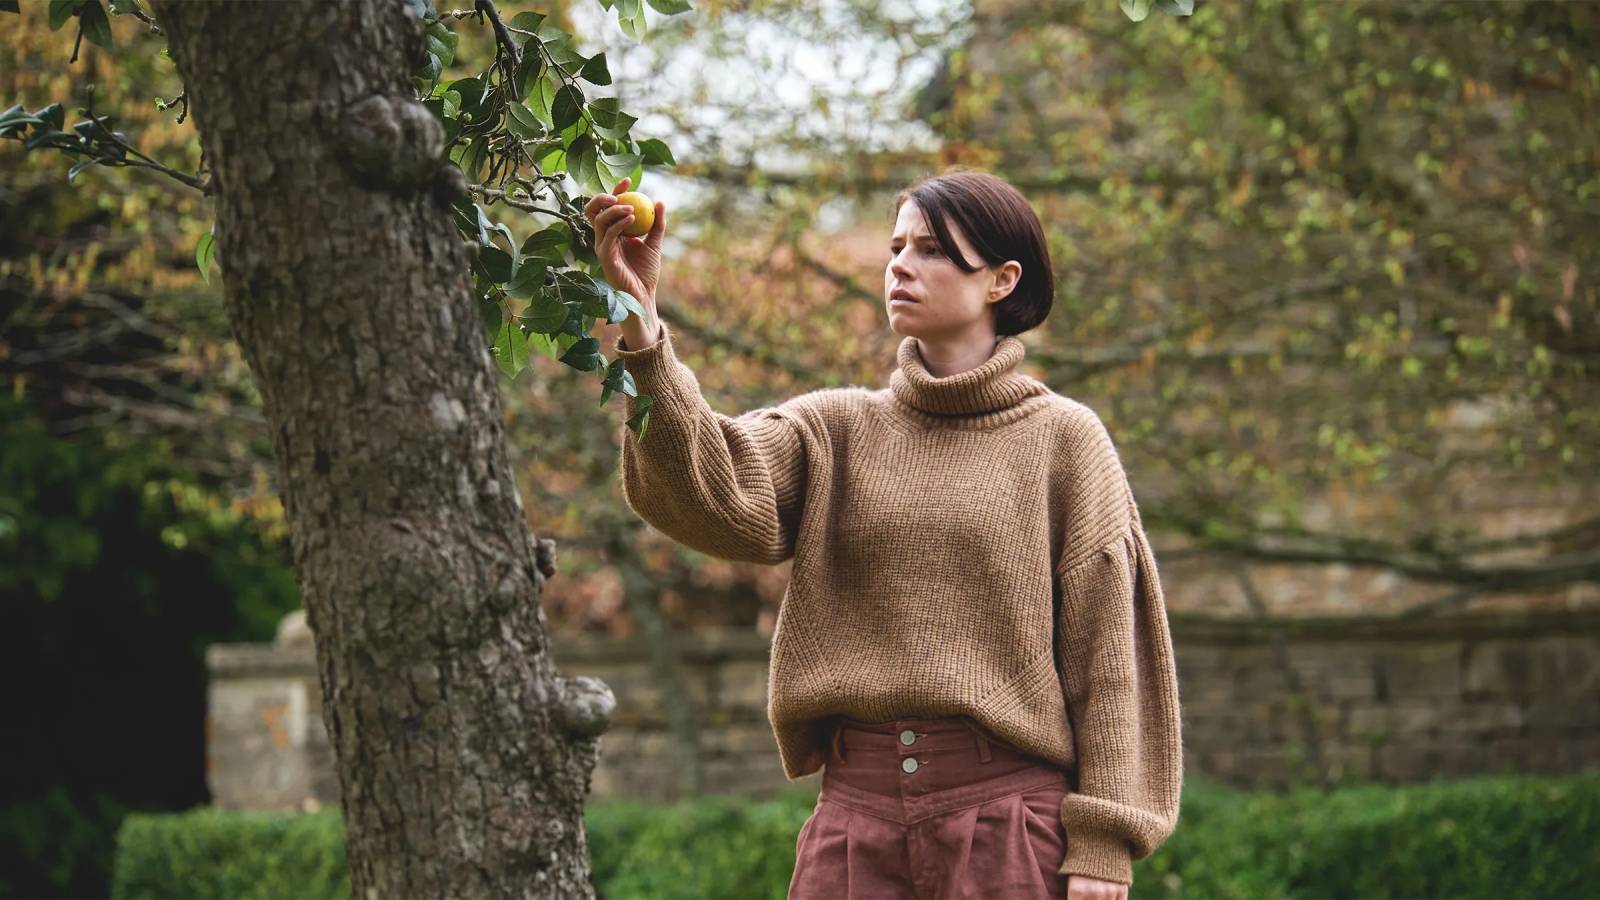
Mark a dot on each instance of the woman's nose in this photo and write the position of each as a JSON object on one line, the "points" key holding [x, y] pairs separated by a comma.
{"points": [[897, 265]]}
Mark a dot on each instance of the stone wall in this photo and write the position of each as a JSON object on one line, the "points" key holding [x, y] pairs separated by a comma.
{"points": [[1264, 703]]}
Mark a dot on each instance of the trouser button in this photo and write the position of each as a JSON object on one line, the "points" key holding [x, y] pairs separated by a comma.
{"points": [[908, 737], [909, 764]]}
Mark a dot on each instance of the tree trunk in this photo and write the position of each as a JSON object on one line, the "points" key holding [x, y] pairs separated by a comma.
{"points": [[464, 758]]}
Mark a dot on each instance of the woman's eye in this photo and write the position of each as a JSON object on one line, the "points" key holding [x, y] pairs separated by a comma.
{"points": [[932, 250]]}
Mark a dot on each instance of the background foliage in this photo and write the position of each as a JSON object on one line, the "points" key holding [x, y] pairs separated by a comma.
{"points": [[1488, 837]]}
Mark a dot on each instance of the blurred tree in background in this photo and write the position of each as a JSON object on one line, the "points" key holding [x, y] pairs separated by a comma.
{"points": [[1326, 270]]}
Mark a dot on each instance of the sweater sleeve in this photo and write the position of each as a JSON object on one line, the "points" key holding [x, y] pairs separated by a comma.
{"points": [[730, 487], [1120, 682]]}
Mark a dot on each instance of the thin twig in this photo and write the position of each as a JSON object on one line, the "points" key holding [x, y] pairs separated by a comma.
{"points": [[502, 37], [515, 202], [168, 104], [204, 186], [144, 17]]}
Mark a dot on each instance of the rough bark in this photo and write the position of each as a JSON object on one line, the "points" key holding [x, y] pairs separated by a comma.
{"points": [[464, 758]]}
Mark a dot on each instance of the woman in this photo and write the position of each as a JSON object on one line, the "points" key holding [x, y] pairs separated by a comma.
{"points": [[973, 644]]}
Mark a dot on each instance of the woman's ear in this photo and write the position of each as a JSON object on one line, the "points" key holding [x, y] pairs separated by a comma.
{"points": [[1007, 274]]}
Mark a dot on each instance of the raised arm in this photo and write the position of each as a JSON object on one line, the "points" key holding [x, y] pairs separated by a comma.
{"points": [[729, 486]]}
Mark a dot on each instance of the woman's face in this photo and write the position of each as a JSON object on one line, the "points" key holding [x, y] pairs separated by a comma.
{"points": [[944, 300]]}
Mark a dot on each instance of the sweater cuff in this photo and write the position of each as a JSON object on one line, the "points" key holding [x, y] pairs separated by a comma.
{"points": [[656, 371], [1097, 854], [621, 349]]}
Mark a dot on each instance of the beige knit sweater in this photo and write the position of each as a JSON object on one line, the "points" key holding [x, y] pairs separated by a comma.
{"points": [[966, 545]]}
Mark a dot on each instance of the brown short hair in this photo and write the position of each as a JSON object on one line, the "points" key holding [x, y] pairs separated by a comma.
{"points": [[1000, 224]]}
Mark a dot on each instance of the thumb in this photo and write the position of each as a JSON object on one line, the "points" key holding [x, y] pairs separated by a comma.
{"points": [[659, 226]]}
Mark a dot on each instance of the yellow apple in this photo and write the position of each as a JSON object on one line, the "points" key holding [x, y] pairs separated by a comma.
{"points": [[644, 212]]}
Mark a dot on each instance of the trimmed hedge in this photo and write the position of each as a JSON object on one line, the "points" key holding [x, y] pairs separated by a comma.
{"points": [[1502, 836], [245, 855]]}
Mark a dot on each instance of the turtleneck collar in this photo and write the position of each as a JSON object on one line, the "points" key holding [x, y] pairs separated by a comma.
{"points": [[989, 387]]}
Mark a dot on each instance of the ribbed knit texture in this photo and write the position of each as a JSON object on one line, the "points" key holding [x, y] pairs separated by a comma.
{"points": [[966, 545]]}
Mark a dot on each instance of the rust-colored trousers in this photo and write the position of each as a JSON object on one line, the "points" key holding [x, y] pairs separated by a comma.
{"points": [[931, 809]]}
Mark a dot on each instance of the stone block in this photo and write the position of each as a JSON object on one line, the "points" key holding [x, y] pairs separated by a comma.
{"points": [[1558, 665], [1258, 766], [1403, 761], [1563, 715], [751, 777], [257, 740], [1582, 753], [1396, 720], [1414, 669], [1485, 718], [742, 683], [1346, 762], [743, 741]]}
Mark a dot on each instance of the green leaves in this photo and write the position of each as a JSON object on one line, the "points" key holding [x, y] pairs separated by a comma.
{"points": [[205, 253], [93, 22], [541, 93], [511, 349], [618, 379], [61, 11], [548, 244], [545, 314], [656, 153], [1139, 10], [567, 107], [548, 120], [594, 71], [559, 49], [528, 22], [584, 355], [630, 15], [91, 138], [609, 120], [46, 119], [522, 122], [440, 42], [581, 162]]}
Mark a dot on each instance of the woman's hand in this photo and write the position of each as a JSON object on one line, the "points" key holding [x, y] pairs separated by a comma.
{"points": [[1082, 887], [631, 264]]}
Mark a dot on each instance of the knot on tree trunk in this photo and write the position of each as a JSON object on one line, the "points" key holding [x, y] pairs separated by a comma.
{"points": [[583, 706], [546, 557], [391, 143]]}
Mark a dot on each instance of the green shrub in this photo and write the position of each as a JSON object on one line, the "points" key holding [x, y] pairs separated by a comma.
{"points": [[1503, 836], [1499, 836], [237, 855], [712, 847]]}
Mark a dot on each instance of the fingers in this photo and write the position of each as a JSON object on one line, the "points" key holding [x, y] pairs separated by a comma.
{"points": [[600, 202], [658, 227], [609, 224]]}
